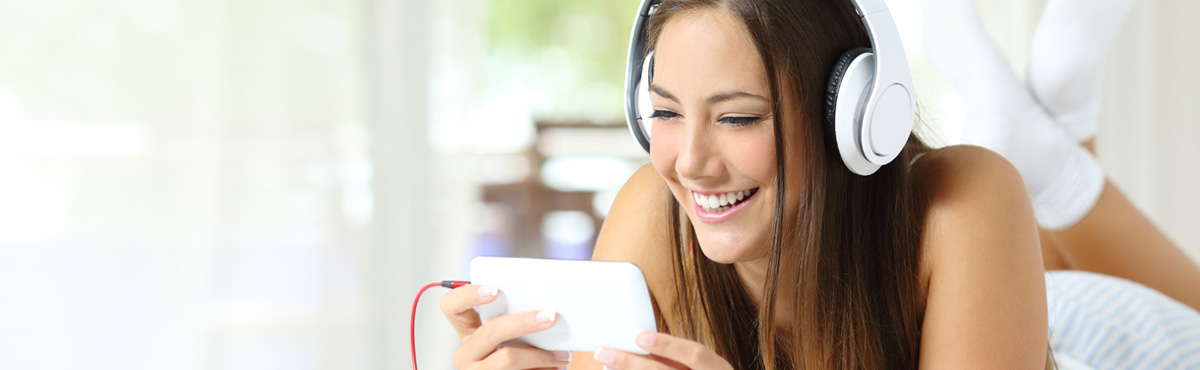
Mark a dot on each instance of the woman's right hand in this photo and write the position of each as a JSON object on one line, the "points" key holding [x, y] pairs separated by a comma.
{"points": [[481, 343]]}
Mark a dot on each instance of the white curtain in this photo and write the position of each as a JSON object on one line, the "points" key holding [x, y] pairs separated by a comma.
{"points": [[231, 184]]}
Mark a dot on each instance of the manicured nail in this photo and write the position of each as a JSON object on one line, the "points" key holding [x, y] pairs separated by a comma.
{"points": [[487, 291], [562, 356], [645, 339], [546, 316], [604, 356]]}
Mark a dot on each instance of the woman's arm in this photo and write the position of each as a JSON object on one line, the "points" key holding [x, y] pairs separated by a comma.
{"points": [[986, 298]]}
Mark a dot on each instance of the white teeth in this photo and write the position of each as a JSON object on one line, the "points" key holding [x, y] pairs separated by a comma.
{"points": [[719, 202]]}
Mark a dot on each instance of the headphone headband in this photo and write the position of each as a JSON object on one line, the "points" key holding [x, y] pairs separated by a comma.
{"points": [[891, 92]]}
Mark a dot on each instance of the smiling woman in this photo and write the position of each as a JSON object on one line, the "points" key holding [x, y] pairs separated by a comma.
{"points": [[765, 248], [816, 266], [753, 124]]}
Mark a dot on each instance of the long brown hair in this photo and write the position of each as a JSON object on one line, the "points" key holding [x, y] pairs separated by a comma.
{"points": [[853, 253]]}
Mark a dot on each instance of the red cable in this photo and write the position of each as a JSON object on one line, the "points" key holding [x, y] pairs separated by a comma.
{"points": [[412, 327]]}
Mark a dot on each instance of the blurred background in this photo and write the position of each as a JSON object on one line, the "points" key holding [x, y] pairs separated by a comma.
{"points": [[265, 184]]}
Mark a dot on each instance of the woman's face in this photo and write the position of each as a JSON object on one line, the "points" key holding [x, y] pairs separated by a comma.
{"points": [[713, 135]]}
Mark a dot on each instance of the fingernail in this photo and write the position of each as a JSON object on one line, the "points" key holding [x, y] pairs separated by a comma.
{"points": [[562, 356], [546, 316], [645, 339], [487, 291], [604, 356]]}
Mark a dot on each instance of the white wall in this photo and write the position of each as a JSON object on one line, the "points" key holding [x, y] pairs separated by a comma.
{"points": [[1151, 116]]}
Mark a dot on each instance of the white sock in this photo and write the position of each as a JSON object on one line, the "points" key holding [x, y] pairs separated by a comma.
{"points": [[1063, 179], [1066, 62]]}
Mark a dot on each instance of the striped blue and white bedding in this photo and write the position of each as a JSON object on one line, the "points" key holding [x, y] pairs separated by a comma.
{"points": [[1102, 322]]}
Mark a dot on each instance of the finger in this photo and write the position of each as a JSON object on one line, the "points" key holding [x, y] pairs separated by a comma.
{"points": [[525, 358], [620, 360], [499, 329], [583, 360], [669, 362], [458, 303], [685, 352]]}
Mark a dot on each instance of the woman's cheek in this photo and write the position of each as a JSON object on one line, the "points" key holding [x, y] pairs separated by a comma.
{"points": [[663, 151], [755, 154]]}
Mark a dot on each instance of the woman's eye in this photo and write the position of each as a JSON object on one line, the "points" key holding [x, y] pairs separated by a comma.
{"points": [[663, 114], [737, 121]]}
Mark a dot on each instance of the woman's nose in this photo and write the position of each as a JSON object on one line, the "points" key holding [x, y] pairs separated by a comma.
{"points": [[697, 156]]}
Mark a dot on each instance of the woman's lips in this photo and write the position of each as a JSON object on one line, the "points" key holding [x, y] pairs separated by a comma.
{"points": [[715, 215]]}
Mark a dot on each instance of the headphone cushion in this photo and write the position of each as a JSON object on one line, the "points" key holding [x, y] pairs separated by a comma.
{"points": [[831, 93]]}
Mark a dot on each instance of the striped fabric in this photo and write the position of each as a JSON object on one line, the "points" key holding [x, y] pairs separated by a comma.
{"points": [[1111, 323]]}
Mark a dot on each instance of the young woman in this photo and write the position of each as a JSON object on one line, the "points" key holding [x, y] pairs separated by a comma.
{"points": [[762, 251]]}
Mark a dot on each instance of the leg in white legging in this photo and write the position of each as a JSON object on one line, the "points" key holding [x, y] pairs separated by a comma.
{"points": [[1062, 178], [1102, 231]]}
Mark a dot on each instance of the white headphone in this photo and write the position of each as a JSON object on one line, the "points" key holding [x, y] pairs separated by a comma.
{"points": [[869, 104]]}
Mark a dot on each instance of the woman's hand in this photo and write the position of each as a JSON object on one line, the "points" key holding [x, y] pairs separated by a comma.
{"points": [[481, 342], [666, 352]]}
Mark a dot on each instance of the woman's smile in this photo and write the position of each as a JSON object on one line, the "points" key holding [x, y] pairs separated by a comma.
{"points": [[716, 207]]}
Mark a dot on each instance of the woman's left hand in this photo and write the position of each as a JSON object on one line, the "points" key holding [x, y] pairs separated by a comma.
{"points": [[666, 352]]}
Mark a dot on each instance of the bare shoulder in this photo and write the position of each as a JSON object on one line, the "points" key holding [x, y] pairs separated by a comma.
{"points": [[972, 192], [981, 264], [961, 170], [637, 230]]}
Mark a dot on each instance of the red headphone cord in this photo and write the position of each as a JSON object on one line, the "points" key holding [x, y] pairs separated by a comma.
{"points": [[412, 327]]}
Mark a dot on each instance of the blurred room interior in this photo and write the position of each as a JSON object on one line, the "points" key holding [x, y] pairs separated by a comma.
{"points": [[258, 184]]}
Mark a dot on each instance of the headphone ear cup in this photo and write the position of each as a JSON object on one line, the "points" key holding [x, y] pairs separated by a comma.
{"points": [[831, 96], [644, 107]]}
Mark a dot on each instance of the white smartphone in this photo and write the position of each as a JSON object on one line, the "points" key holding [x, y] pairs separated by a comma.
{"points": [[599, 303]]}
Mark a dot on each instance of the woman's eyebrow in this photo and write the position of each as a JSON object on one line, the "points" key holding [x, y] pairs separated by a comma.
{"points": [[734, 94], [719, 97], [663, 92]]}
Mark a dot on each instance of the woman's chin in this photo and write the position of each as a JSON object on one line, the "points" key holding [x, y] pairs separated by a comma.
{"points": [[723, 253]]}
